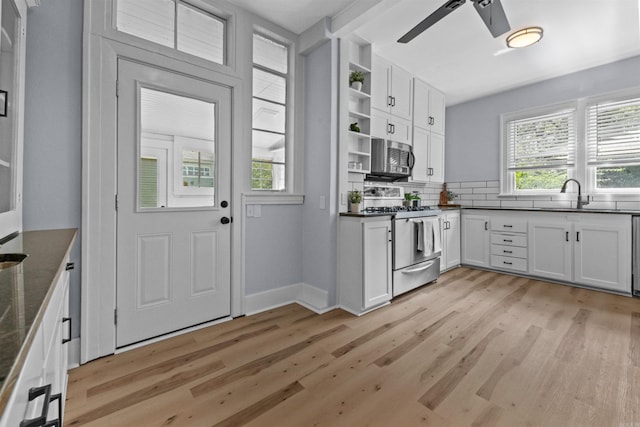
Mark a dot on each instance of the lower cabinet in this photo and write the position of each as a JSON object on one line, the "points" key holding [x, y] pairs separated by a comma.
{"points": [[42, 382], [364, 266], [591, 250], [475, 240], [450, 232]]}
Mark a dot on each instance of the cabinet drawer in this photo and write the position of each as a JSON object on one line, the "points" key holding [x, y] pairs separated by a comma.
{"points": [[508, 263], [509, 239], [508, 224], [510, 251]]}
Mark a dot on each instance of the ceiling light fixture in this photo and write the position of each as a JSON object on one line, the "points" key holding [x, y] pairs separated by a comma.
{"points": [[525, 37]]}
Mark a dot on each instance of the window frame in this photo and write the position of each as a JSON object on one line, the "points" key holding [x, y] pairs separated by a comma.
{"points": [[590, 170], [507, 177], [289, 112]]}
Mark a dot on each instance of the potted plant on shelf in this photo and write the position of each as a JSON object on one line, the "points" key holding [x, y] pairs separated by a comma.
{"points": [[353, 127], [355, 197], [356, 79]]}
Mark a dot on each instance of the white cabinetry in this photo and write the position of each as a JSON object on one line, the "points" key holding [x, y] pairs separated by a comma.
{"points": [[45, 366], [364, 263], [450, 232], [509, 243], [428, 133], [428, 107], [586, 249], [391, 89], [475, 240], [388, 127]]}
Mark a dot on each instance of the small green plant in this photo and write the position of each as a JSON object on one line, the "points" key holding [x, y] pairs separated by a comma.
{"points": [[355, 196], [451, 195], [356, 76], [411, 196], [353, 127]]}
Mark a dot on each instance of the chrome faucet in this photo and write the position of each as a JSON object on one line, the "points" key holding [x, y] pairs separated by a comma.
{"points": [[581, 203]]}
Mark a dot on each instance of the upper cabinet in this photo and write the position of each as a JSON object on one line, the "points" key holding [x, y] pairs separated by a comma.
{"points": [[428, 107], [391, 88], [13, 18], [428, 133]]}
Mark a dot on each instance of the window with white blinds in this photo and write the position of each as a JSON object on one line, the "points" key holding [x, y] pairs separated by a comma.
{"points": [[540, 150], [613, 144]]}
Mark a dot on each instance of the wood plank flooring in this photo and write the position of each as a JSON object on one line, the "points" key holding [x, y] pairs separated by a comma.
{"points": [[477, 348]]}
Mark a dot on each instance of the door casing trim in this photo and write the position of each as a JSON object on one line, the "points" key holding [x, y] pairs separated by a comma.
{"points": [[99, 136]]}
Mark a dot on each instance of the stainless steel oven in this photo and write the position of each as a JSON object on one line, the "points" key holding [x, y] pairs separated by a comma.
{"points": [[416, 249]]}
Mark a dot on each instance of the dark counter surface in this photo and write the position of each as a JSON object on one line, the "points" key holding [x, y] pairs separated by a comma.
{"points": [[25, 291], [559, 210]]}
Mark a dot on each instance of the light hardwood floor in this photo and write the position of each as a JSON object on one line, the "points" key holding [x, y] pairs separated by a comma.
{"points": [[475, 349]]}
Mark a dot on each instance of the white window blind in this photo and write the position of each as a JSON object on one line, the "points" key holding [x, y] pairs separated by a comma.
{"points": [[613, 133], [542, 142]]}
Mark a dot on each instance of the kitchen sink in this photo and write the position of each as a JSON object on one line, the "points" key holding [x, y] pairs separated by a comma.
{"points": [[11, 260]]}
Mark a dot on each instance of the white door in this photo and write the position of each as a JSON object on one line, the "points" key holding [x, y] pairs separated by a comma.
{"points": [[420, 171], [550, 253], [436, 158], [376, 242], [452, 240], [401, 90], [475, 240], [173, 237]]}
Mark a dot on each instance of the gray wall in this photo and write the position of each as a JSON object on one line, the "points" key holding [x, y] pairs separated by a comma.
{"points": [[53, 126], [319, 225], [473, 128], [273, 248]]}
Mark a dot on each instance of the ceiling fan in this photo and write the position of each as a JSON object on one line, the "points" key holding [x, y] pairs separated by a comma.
{"points": [[490, 11]]}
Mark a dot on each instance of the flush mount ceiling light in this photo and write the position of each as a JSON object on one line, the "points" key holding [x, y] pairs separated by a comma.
{"points": [[525, 37]]}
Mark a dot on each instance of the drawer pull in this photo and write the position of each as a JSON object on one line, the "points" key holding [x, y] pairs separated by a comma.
{"points": [[34, 393], [507, 252], [507, 262], [566, 236], [67, 319], [507, 241], [507, 226]]}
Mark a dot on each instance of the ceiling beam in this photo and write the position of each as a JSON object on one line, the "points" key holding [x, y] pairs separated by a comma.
{"points": [[356, 14]]}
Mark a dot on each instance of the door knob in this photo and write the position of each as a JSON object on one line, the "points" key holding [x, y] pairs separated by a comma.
{"points": [[225, 220], [224, 203]]}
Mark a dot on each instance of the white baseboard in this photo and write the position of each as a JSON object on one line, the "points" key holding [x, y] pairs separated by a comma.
{"points": [[306, 295]]}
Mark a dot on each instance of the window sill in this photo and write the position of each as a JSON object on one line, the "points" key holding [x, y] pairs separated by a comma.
{"points": [[273, 199]]}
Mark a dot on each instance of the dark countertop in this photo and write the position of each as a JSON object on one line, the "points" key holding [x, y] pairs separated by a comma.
{"points": [[365, 214], [559, 210], [25, 291]]}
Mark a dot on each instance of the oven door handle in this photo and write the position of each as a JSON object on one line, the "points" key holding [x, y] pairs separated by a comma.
{"points": [[416, 270]]}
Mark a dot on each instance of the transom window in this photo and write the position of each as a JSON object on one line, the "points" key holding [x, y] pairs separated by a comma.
{"points": [[175, 24], [596, 140], [270, 110]]}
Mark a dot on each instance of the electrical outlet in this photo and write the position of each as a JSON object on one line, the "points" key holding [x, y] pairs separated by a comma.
{"points": [[257, 211], [249, 211], [323, 202]]}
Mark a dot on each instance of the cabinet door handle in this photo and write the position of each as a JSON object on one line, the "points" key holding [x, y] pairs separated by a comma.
{"points": [[507, 241], [393, 101], [448, 225], [431, 121], [566, 236], [507, 252], [393, 128], [34, 393], [577, 236], [67, 319], [389, 98], [486, 225]]}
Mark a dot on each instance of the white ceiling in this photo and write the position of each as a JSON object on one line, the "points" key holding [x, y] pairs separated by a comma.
{"points": [[459, 56]]}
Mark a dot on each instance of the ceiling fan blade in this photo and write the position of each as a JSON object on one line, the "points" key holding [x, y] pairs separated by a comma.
{"points": [[440, 13], [493, 15]]}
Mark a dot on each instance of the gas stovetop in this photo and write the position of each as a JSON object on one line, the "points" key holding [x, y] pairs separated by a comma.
{"points": [[403, 211]]}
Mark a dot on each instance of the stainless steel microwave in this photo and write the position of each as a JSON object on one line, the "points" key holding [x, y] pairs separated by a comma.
{"points": [[390, 160]]}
